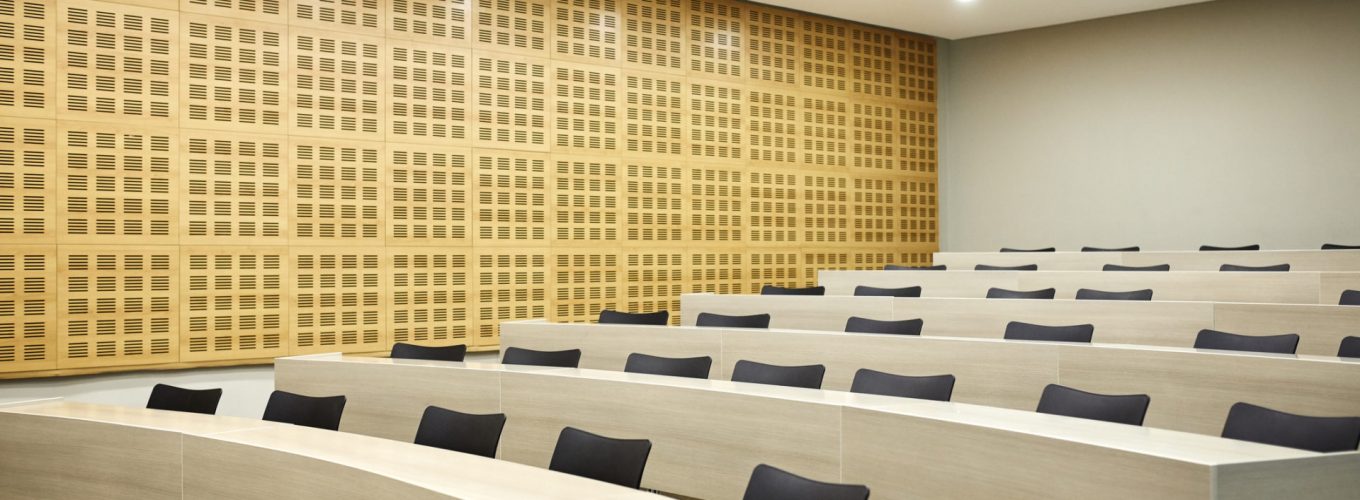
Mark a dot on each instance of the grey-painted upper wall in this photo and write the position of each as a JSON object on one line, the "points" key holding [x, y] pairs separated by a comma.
{"points": [[1229, 122]]}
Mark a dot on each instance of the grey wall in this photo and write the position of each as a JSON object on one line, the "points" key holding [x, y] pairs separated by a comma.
{"points": [[1228, 122]]}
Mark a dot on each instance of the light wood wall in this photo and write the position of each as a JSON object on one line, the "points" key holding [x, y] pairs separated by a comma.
{"points": [[188, 182]]}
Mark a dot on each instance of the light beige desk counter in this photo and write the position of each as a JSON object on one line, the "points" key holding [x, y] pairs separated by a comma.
{"points": [[707, 435], [1164, 323], [1191, 389], [55, 449], [1299, 260], [1201, 286]]}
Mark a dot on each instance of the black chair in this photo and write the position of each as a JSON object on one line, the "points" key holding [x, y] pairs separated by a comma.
{"points": [[857, 324], [169, 397], [1001, 293], [611, 317], [769, 483], [1350, 298], [1099, 249], [1213, 339], [869, 291], [617, 461], [1017, 330], [309, 411], [1117, 267], [1334, 246], [570, 358], [1259, 424], [1026, 267], [1089, 294], [725, 321], [779, 290], [460, 432], [895, 267], [1350, 347], [1211, 248], [1120, 409], [1237, 268], [402, 350], [932, 387], [675, 367], [809, 376], [1022, 250]]}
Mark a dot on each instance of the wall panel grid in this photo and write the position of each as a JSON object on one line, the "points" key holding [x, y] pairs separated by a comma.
{"points": [[190, 182]]}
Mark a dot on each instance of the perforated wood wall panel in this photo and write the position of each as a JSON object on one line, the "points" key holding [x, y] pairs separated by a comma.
{"points": [[189, 182]]}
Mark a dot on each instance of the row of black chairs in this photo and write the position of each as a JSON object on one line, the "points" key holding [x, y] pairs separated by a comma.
{"points": [[1116, 267], [577, 452], [1244, 421], [1348, 297], [1015, 330], [1202, 248]]}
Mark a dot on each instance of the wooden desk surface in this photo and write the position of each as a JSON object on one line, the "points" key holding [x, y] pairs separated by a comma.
{"points": [[1273, 288], [1299, 260], [719, 430], [57, 449], [1191, 389], [1173, 324]]}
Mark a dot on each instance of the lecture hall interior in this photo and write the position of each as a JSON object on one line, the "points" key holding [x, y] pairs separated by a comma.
{"points": [[686, 249]]}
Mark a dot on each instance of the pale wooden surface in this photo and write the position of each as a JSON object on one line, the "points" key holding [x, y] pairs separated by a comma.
{"points": [[386, 397], [55, 449], [717, 430], [1299, 260], [1279, 288], [1169, 323], [1191, 389]]}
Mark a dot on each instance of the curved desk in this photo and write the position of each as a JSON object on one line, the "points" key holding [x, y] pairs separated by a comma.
{"points": [[708, 435], [1271, 288], [1191, 389], [1298, 260], [56, 449], [1169, 324]]}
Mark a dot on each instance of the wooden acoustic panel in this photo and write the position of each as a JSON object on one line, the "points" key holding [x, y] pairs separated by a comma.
{"points": [[437, 166], [28, 314]]}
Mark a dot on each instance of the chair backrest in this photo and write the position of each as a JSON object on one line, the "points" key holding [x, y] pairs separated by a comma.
{"points": [[1117, 267], [403, 350], [310, 411], [1259, 424], [1211, 248], [1214, 339], [169, 397], [1001, 293], [779, 290], [725, 321], [1028, 250], [857, 324], [612, 317], [1120, 409], [617, 461], [1099, 249], [460, 432], [769, 483], [1335, 246], [1350, 298], [895, 267], [869, 291], [1237, 268], [1017, 330], [1089, 294], [1026, 267], [570, 358], [809, 376], [933, 387], [1350, 347], [675, 367]]}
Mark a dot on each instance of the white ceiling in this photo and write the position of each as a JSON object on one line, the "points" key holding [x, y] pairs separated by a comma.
{"points": [[955, 19]]}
